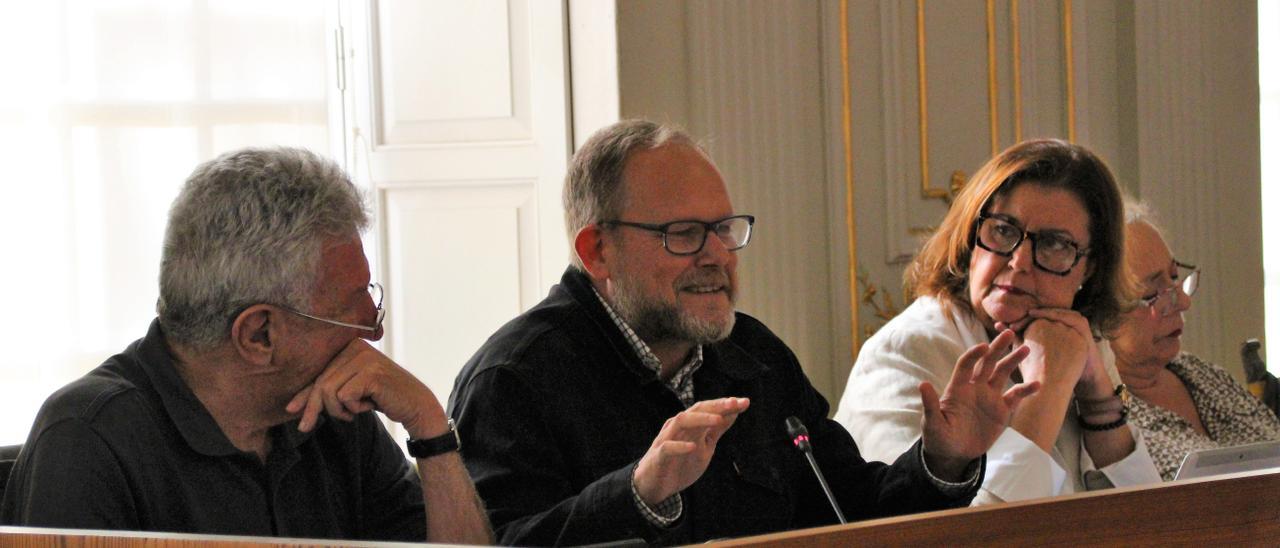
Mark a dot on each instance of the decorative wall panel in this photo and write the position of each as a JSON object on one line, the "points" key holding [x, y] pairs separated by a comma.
{"points": [[755, 81], [439, 96], [453, 275], [459, 127], [959, 82]]}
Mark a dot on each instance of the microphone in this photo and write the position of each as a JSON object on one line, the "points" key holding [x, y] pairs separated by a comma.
{"points": [[800, 437]]}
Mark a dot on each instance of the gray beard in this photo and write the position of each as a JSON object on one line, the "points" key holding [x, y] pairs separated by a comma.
{"points": [[658, 321]]}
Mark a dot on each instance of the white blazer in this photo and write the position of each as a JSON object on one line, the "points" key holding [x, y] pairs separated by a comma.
{"points": [[881, 408]]}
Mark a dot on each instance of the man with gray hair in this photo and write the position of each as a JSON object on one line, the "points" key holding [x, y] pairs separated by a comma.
{"points": [[634, 402], [222, 418]]}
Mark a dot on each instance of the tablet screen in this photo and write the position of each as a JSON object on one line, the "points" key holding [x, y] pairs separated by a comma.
{"points": [[1226, 460]]}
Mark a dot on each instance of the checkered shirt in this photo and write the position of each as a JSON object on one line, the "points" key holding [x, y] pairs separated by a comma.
{"points": [[681, 384]]}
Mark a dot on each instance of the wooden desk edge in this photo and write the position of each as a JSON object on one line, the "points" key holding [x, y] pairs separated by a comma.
{"points": [[92, 538], [1238, 508]]}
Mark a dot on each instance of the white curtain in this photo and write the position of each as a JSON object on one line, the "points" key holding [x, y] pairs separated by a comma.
{"points": [[105, 107]]}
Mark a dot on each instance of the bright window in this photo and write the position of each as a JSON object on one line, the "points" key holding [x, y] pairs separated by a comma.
{"points": [[106, 107], [1269, 113]]}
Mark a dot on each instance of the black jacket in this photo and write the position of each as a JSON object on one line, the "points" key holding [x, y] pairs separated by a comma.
{"points": [[555, 409]]}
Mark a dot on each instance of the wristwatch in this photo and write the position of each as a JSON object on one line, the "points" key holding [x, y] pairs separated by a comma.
{"points": [[1122, 392], [439, 445]]}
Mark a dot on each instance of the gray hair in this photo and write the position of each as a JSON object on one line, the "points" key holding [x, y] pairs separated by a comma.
{"points": [[247, 228], [1137, 211], [593, 184]]}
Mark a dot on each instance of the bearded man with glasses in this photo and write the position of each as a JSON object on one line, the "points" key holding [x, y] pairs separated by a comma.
{"points": [[247, 407], [1181, 402], [635, 402]]}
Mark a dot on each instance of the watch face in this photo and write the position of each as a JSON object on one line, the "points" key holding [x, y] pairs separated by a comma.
{"points": [[453, 430]]}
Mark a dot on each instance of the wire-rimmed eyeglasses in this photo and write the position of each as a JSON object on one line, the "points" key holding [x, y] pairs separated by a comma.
{"points": [[1051, 251], [1164, 301], [689, 237], [375, 291]]}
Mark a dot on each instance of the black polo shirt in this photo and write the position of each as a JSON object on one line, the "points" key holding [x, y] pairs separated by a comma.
{"points": [[129, 446]]}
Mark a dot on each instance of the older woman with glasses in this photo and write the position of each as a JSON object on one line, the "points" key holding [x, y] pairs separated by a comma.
{"points": [[1026, 266], [1181, 402]]}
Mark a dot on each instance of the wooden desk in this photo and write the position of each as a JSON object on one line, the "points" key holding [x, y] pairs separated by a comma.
{"points": [[32, 537], [1233, 510], [1236, 510]]}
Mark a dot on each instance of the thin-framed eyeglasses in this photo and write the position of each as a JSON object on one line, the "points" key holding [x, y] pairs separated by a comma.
{"points": [[689, 237], [375, 291], [1164, 301], [1051, 251]]}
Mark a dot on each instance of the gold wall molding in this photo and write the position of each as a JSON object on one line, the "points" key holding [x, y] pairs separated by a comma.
{"points": [[1029, 94], [1068, 68], [1015, 44], [927, 190], [884, 309], [993, 108], [846, 113], [1069, 62], [992, 98]]}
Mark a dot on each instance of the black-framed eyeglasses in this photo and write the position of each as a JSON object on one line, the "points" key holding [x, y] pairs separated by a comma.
{"points": [[689, 237], [1051, 251], [375, 291], [1163, 301]]}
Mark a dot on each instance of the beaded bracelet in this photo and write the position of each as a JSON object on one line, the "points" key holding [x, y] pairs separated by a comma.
{"points": [[1121, 395]]}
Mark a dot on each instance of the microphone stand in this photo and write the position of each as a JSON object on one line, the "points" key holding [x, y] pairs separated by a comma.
{"points": [[800, 437]]}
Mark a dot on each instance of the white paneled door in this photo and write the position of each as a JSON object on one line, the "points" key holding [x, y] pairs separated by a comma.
{"points": [[458, 125]]}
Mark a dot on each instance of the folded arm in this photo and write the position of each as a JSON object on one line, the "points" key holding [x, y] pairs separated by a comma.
{"points": [[361, 379]]}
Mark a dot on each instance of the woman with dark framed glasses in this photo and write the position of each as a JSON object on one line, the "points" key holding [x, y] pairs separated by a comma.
{"points": [[1181, 403], [1027, 266]]}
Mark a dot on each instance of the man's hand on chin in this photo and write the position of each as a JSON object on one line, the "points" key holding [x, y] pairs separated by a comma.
{"points": [[359, 379]]}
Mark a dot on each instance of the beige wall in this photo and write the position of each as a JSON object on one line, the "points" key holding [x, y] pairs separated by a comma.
{"points": [[746, 77], [1166, 92]]}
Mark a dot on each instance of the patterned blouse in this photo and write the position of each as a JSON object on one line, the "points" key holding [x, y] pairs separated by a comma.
{"points": [[1231, 416]]}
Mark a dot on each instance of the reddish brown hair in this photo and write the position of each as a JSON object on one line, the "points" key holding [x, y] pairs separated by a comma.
{"points": [[941, 269]]}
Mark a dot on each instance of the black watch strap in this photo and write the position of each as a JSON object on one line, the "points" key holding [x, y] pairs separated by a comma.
{"points": [[439, 445]]}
